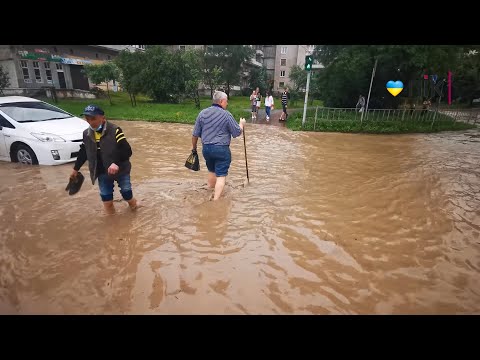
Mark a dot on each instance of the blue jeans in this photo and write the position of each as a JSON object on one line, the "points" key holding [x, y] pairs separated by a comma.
{"points": [[267, 110], [218, 158], [106, 184]]}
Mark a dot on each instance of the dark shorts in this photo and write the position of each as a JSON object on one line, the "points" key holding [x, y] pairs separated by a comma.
{"points": [[284, 108], [106, 184], [218, 158], [254, 108]]}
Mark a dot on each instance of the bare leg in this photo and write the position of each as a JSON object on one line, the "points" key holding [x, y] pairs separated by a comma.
{"points": [[219, 186], [212, 180], [132, 203], [109, 208]]}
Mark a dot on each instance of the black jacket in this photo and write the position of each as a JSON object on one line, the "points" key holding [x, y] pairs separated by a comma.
{"points": [[113, 147]]}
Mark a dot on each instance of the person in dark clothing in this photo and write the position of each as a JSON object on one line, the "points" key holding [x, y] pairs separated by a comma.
{"points": [[108, 153], [285, 98]]}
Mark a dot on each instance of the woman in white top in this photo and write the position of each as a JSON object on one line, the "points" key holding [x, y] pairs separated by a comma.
{"points": [[253, 101], [268, 104], [259, 98]]}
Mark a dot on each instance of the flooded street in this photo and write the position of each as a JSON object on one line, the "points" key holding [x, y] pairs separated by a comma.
{"points": [[329, 224]]}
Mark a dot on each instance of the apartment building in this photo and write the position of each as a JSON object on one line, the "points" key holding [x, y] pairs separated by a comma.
{"points": [[60, 66], [287, 56]]}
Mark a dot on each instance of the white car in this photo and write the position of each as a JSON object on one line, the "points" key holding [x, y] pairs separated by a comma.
{"points": [[34, 132]]}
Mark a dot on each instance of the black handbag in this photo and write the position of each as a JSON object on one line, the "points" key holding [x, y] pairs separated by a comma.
{"points": [[192, 162]]}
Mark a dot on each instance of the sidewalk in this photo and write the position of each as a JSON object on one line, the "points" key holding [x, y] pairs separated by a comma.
{"points": [[274, 116]]}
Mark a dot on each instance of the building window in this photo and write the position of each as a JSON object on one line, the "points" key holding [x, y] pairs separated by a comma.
{"points": [[141, 47], [282, 73], [59, 67], [283, 50], [96, 55], [71, 51], [182, 47], [281, 84], [55, 49], [36, 70], [283, 62], [26, 75], [108, 57], [48, 72]]}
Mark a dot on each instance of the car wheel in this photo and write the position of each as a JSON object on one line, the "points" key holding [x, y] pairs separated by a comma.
{"points": [[24, 155]]}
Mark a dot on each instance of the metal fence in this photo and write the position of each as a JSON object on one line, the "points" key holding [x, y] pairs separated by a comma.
{"points": [[322, 114]]}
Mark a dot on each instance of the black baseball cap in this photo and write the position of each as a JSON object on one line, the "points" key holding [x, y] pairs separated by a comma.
{"points": [[92, 110]]}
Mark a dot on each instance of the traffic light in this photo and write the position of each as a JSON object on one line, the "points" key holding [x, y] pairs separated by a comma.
{"points": [[308, 62]]}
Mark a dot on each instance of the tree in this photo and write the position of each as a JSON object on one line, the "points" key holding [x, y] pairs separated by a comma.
{"points": [[348, 70], [230, 58], [212, 75], [258, 78], [298, 77], [105, 72], [131, 68], [4, 79], [163, 74], [193, 74], [466, 78]]}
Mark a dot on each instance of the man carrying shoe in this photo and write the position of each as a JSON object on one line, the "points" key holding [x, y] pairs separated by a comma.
{"points": [[108, 154]]}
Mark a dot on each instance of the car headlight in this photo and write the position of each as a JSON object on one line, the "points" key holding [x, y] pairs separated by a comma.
{"points": [[48, 137]]}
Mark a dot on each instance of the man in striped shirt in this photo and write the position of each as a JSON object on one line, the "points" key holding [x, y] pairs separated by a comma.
{"points": [[216, 126], [285, 97]]}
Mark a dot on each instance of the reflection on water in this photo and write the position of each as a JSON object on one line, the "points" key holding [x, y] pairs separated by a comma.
{"points": [[329, 224]]}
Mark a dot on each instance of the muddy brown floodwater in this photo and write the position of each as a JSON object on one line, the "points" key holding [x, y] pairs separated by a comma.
{"points": [[329, 224]]}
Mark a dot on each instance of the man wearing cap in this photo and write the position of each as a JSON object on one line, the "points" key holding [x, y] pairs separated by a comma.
{"points": [[108, 153]]}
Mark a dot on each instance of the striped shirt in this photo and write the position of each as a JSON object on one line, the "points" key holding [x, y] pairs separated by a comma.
{"points": [[216, 126], [284, 98]]}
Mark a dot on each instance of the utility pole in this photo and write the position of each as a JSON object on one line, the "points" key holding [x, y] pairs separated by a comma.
{"points": [[369, 90], [306, 99], [308, 67]]}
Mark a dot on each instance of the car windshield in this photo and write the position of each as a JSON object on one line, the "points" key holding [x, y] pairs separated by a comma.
{"points": [[33, 111]]}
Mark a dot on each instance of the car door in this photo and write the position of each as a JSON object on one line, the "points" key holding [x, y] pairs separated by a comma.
{"points": [[5, 130]]}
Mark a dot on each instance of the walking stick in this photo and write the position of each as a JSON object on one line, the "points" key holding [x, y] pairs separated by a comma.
{"points": [[245, 147]]}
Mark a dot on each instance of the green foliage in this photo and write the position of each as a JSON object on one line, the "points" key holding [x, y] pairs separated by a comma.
{"points": [[163, 74], [131, 66], [105, 72], [348, 70], [193, 74], [108, 71], [398, 122], [230, 59], [298, 78], [258, 78], [466, 78], [183, 112], [4, 79], [212, 72]]}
